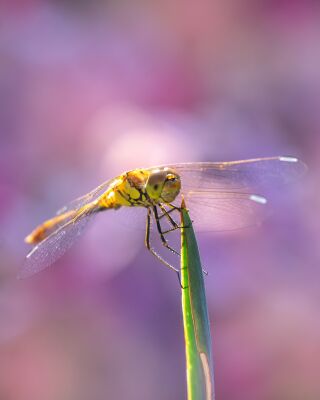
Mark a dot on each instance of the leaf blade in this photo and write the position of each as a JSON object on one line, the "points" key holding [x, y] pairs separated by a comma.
{"points": [[197, 334]]}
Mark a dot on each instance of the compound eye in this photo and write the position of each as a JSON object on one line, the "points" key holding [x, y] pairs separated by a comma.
{"points": [[156, 180], [171, 177]]}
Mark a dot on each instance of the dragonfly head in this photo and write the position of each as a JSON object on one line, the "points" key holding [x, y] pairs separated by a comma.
{"points": [[163, 185]]}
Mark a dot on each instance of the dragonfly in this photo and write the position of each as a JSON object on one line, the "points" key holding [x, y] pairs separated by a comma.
{"points": [[220, 196]]}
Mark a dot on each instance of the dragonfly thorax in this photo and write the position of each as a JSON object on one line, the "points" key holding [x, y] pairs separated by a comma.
{"points": [[163, 185]]}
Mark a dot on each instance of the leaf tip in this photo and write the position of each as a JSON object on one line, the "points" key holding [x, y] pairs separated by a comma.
{"points": [[183, 203]]}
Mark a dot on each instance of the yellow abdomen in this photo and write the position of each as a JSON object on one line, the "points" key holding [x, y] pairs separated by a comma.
{"points": [[43, 230]]}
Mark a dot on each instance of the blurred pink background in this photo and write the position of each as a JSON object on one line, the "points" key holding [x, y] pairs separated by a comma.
{"points": [[91, 88]]}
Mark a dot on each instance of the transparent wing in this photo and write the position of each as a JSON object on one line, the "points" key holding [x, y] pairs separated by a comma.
{"points": [[54, 246], [221, 212], [232, 195], [260, 173], [87, 198]]}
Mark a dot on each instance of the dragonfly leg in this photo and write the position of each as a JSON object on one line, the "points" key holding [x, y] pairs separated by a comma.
{"points": [[172, 222], [172, 208], [163, 239], [168, 216], [168, 212], [153, 252], [175, 226]]}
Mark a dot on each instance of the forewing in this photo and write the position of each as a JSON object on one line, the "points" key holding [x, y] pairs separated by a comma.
{"points": [[54, 246], [262, 174], [232, 195]]}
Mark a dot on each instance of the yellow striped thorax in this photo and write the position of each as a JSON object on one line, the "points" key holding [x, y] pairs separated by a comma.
{"points": [[142, 187]]}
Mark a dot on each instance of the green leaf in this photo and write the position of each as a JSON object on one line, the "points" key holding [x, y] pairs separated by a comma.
{"points": [[197, 335]]}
